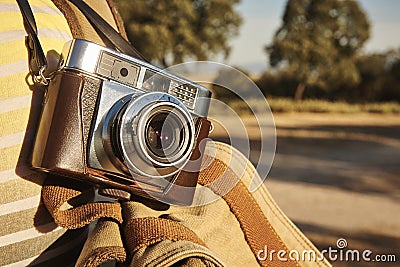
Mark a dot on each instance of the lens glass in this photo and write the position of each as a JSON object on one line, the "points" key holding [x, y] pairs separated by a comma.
{"points": [[164, 134]]}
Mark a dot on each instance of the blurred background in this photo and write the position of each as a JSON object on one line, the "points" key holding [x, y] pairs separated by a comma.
{"points": [[330, 71]]}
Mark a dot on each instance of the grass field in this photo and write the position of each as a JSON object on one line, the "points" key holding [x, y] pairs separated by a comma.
{"points": [[283, 105], [322, 106]]}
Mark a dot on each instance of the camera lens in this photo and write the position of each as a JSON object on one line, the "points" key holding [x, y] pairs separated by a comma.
{"points": [[164, 134], [159, 136], [153, 134]]}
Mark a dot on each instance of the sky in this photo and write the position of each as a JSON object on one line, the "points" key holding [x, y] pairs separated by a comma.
{"points": [[261, 18]]}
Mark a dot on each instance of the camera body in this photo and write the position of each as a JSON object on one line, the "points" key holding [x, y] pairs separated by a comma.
{"points": [[122, 124]]}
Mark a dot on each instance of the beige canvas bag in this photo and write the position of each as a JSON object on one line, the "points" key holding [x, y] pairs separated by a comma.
{"points": [[237, 230]]}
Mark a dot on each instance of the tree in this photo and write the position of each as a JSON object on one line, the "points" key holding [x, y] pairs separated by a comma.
{"points": [[167, 32], [373, 73], [318, 42], [238, 86]]}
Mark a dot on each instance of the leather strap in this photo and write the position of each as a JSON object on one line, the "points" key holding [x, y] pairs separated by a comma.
{"points": [[106, 30], [37, 59]]}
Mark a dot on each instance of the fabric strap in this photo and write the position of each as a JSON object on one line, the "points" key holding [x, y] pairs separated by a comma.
{"points": [[143, 232], [256, 227], [71, 208], [57, 198]]}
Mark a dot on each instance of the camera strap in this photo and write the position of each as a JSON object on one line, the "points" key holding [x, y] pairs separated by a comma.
{"points": [[106, 30], [37, 58]]}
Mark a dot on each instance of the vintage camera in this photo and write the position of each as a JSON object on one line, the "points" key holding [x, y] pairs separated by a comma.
{"points": [[122, 123]]}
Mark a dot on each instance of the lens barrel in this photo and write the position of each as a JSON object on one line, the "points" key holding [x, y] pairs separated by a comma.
{"points": [[153, 135]]}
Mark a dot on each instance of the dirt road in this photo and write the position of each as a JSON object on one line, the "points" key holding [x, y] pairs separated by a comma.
{"points": [[338, 176]]}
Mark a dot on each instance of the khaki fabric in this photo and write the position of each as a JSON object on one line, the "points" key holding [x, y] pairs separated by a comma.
{"points": [[179, 253], [104, 244]]}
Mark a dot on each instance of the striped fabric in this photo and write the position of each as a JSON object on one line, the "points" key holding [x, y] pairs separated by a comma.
{"points": [[28, 234]]}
